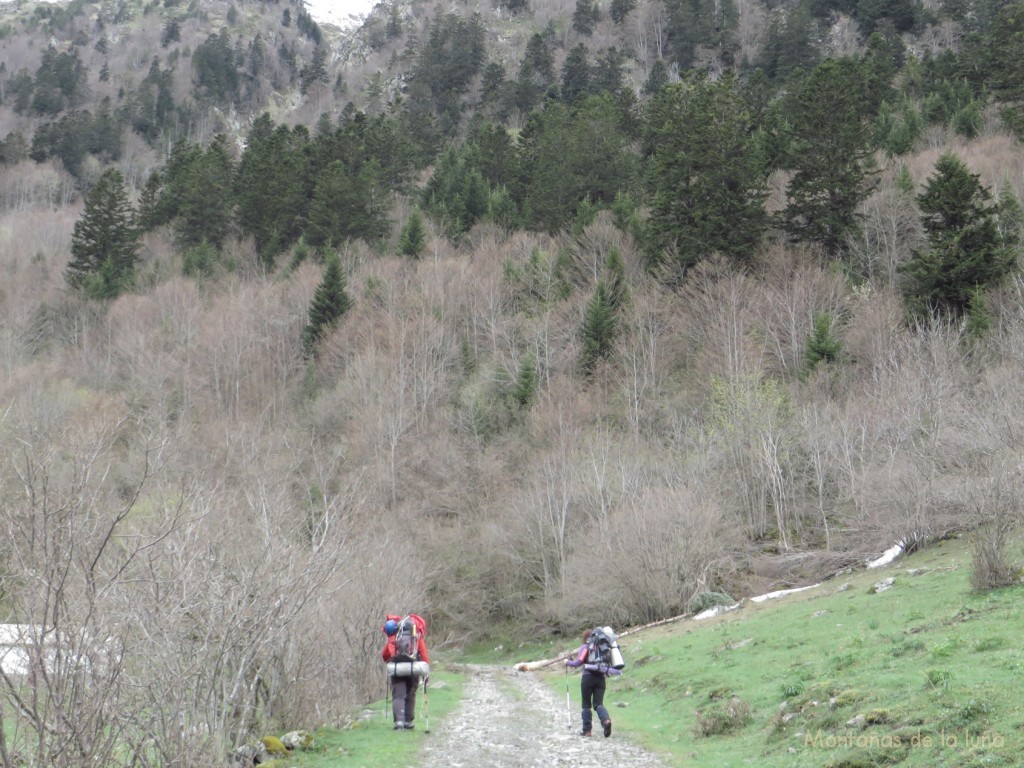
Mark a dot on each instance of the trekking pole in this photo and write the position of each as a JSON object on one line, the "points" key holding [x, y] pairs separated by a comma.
{"points": [[426, 705], [568, 706]]}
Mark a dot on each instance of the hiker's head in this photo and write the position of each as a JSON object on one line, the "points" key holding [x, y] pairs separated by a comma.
{"points": [[586, 634], [390, 627]]}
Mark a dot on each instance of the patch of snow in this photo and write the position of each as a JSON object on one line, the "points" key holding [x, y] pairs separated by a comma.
{"points": [[886, 557], [715, 610], [340, 13], [780, 593]]}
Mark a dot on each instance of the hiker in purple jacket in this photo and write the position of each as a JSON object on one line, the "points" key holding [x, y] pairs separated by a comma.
{"points": [[592, 686]]}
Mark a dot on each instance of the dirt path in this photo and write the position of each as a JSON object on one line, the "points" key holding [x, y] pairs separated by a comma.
{"points": [[510, 719]]}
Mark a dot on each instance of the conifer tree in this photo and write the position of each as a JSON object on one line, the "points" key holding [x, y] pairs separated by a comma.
{"points": [[330, 302], [525, 390], [104, 243], [414, 236], [966, 252], [599, 327], [657, 78], [708, 175], [620, 9], [576, 75], [586, 16], [822, 346], [347, 205], [1011, 214], [615, 278], [829, 153]]}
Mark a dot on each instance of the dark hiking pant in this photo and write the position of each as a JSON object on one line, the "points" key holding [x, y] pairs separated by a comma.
{"points": [[403, 699], [592, 689]]}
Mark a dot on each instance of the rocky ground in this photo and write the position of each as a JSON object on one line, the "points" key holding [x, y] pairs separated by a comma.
{"points": [[510, 719]]}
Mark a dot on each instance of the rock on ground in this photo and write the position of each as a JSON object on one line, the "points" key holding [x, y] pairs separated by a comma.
{"points": [[510, 719]]}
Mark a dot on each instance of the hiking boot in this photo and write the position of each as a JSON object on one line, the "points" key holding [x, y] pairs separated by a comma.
{"points": [[607, 727], [399, 725], [584, 733], [408, 726]]}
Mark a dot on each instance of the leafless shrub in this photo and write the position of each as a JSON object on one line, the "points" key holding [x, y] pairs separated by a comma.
{"points": [[890, 229], [659, 547], [998, 526]]}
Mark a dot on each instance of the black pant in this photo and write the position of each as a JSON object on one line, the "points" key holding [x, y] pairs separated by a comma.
{"points": [[592, 690], [403, 698]]}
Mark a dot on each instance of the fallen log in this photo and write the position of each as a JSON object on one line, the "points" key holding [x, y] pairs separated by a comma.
{"points": [[533, 666]]}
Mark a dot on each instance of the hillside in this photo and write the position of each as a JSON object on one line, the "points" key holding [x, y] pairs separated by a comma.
{"points": [[522, 315]]}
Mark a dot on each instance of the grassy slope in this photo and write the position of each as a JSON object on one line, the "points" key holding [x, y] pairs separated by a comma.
{"points": [[933, 667]]}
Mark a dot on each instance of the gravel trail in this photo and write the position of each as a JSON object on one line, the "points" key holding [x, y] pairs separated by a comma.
{"points": [[510, 719]]}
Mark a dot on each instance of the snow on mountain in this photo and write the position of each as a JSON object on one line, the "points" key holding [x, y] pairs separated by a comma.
{"points": [[341, 13]]}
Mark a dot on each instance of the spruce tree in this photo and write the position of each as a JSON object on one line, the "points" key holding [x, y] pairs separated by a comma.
{"points": [[586, 16], [105, 242], [620, 9], [347, 205], [599, 327], [829, 153], [708, 175], [822, 346], [414, 236], [330, 302], [657, 78], [576, 75], [1011, 214], [966, 252], [525, 390]]}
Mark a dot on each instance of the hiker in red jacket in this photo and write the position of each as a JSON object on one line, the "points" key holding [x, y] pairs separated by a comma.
{"points": [[408, 662]]}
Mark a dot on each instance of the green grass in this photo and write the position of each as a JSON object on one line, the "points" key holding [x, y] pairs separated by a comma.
{"points": [[371, 743], [932, 668]]}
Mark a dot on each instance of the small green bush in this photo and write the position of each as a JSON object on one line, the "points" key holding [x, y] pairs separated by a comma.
{"points": [[723, 717], [275, 746]]}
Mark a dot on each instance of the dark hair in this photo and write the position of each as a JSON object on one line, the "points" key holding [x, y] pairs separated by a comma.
{"points": [[586, 634]]}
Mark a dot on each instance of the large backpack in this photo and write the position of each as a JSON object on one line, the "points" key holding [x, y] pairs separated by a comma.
{"points": [[603, 648], [406, 662], [410, 629]]}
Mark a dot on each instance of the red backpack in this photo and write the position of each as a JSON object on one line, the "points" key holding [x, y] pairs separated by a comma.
{"points": [[410, 629]]}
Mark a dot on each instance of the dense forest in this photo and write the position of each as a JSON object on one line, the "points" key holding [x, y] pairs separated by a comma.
{"points": [[518, 314]]}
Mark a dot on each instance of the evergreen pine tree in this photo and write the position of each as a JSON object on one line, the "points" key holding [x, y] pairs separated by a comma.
{"points": [[620, 9], [347, 205], [708, 175], [525, 389], [657, 78], [829, 152], [576, 75], [822, 346], [614, 272], [330, 302], [905, 182], [148, 216], [599, 327], [1011, 214], [586, 16], [104, 243], [414, 236], [966, 250]]}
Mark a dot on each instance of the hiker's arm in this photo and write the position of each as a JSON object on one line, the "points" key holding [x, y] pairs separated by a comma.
{"points": [[421, 647], [581, 656], [389, 650]]}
